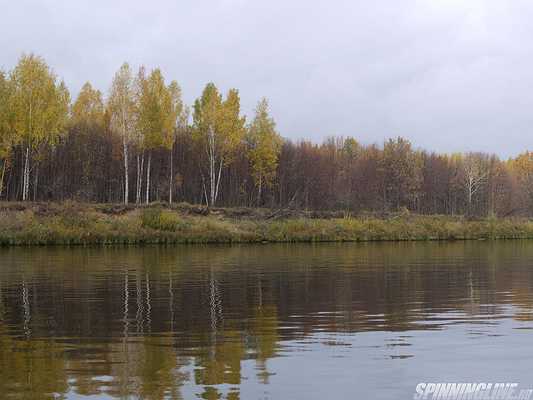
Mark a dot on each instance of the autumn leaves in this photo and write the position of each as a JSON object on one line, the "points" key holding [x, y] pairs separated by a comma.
{"points": [[145, 114]]}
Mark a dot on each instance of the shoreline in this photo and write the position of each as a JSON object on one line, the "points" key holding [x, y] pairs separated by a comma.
{"points": [[80, 224]]}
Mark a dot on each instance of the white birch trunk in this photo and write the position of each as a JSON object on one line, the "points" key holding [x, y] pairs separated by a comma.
{"points": [[26, 177], [212, 163], [4, 166], [126, 177], [138, 176], [170, 183], [215, 171], [140, 180], [218, 179], [148, 178], [23, 174], [470, 190]]}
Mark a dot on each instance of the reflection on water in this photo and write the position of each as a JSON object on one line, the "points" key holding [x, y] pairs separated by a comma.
{"points": [[263, 322]]}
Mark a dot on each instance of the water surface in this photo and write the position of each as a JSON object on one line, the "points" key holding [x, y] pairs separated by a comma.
{"points": [[338, 321]]}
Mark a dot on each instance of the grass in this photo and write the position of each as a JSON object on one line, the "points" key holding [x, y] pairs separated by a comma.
{"points": [[81, 224]]}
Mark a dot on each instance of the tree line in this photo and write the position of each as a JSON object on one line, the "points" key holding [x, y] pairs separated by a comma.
{"points": [[140, 143]]}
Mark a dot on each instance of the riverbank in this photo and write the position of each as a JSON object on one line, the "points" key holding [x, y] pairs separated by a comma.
{"points": [[92, 224]]}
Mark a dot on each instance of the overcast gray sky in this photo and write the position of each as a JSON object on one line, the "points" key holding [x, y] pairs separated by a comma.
{"points": [[450, 75]]}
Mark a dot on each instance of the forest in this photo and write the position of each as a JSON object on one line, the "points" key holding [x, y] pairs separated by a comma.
{"points": [[138, 143]]}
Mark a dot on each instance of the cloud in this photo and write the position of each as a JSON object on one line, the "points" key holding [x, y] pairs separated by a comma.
{"points": [[450, 75]]}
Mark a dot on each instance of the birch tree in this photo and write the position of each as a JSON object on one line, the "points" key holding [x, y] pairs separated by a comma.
{"points": [[140, 82], [89, 107], [176, 118], [475, 175], [40, 110], [159, 108], [122, 108], [7, 137], [264, 147], [219, 129]]}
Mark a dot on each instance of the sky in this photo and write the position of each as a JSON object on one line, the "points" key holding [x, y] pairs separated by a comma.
{"points": [[449, 75]]}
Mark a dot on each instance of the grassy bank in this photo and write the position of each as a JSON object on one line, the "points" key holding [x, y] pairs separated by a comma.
{"points": [[80, 224]]}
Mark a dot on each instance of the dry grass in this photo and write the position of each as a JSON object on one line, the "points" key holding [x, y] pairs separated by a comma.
{"points": [[82, 224]]}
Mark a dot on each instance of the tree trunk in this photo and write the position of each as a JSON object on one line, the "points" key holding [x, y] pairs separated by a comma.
{"points": [[470, 192], [26, 177], [4, 166], [170, 183], [23, 175], [137, 182], [141, 177], [148, 178], [126, 178], [212, 166], [140, 171], [212, 181], [218, 180]]}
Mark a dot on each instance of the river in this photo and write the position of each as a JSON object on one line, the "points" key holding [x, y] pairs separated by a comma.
{"points": [[288, 321]]}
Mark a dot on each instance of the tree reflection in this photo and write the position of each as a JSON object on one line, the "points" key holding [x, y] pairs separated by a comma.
{"points": [[31, 369], [264, 329], [145, 322]]}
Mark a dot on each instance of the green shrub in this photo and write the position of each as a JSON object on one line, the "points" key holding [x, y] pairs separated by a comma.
{"points": [[161, 220]]}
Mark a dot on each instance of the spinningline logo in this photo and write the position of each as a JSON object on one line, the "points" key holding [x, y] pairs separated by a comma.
{"points": [[471, 391]]}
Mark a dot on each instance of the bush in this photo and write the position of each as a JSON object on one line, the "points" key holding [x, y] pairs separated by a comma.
{"points": [[157, 219]]}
